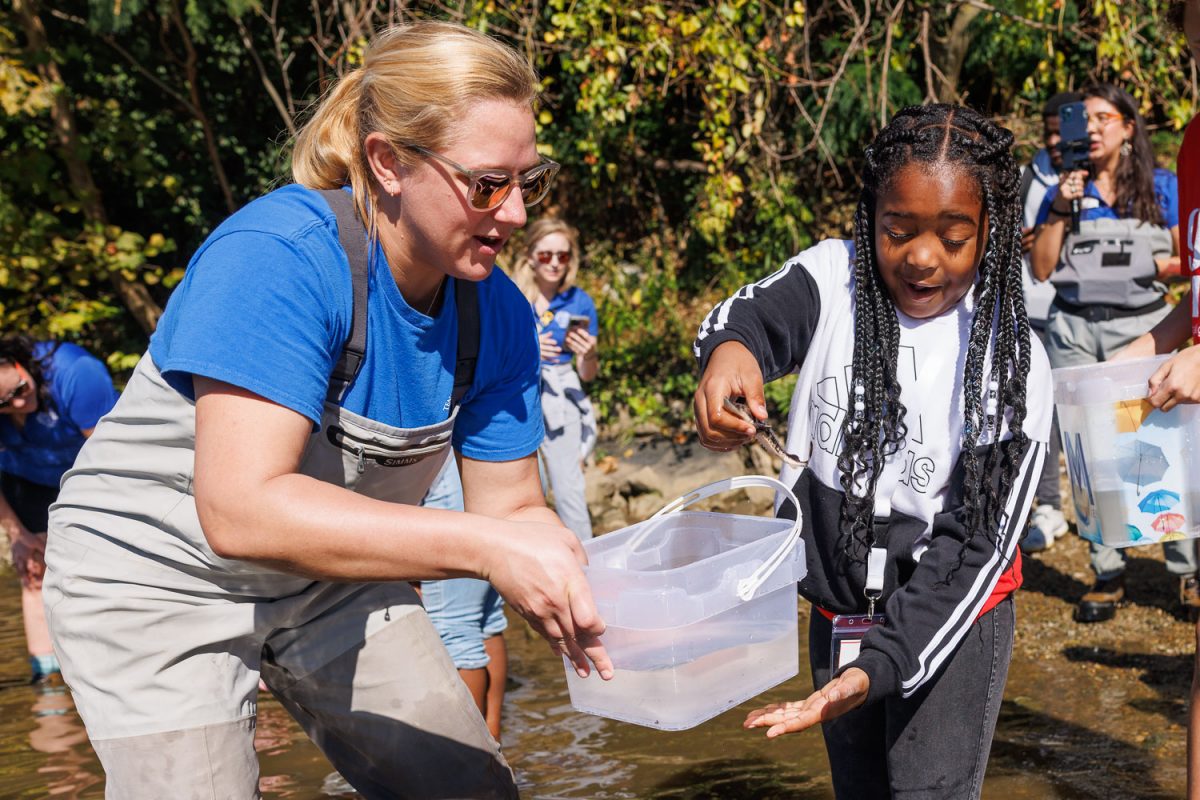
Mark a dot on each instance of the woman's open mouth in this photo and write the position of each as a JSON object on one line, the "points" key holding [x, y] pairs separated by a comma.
{"points": [[492, 243]]}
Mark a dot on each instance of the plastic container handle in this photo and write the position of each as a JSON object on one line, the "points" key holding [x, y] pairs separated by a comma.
{"points": [[746, 586]]}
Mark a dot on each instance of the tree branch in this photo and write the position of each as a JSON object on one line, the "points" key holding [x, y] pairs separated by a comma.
{"points": [[248, 43]]}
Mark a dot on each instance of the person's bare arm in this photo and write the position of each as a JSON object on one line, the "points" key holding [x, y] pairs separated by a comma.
{"points": [[253, 505], [583, 345], [554, 597], [1171, 332], [28, 549]]}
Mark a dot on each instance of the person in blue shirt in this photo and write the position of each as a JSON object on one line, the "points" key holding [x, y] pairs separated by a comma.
{"points": [[250, 508], [52, 395], [1109, 281], [567, 328]]}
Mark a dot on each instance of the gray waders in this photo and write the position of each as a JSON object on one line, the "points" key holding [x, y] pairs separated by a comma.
{"points": [[163, 642]]}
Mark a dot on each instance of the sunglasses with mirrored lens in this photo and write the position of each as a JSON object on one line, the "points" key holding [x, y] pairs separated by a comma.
{"points": [[16, 392], [546, 256], [487, 189]]}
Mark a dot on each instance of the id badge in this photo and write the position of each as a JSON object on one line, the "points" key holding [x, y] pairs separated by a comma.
{"points": [[848, 633]]}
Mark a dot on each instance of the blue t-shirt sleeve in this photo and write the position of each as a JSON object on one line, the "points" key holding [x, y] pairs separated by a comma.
{"points": [[589, 308], [1043, 212], [257, 311], [501, 416], [84, 392], [1166, 190]]}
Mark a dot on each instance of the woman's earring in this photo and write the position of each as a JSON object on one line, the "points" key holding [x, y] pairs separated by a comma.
{"points": [[1126, 148]]}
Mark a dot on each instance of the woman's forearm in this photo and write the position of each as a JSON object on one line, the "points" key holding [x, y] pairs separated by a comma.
{"points": [[588, 366], [304, 526], [1047, 245]]}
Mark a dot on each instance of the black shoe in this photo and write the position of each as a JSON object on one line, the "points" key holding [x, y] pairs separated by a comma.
{"points": [[1100, 603]]}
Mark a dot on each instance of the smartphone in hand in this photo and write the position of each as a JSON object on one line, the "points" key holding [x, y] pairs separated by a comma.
{"points": [[579, 322]]}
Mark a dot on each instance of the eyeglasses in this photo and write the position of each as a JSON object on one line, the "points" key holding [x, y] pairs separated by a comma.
{"points": [[16, 392], [489, 188], [1102, 118], [547, 256]]}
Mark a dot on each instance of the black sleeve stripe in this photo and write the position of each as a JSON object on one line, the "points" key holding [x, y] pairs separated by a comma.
{"points": [[946, 639]]}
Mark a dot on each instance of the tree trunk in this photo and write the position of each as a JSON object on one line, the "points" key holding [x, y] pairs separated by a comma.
{"points": [[954, 52], [135, 296]]}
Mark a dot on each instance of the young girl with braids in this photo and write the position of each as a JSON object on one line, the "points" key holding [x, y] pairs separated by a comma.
{"points": [[923, 409]]}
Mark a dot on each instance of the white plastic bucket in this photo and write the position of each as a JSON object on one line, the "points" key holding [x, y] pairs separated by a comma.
{"points": [[700, 610], [1134, 470]]}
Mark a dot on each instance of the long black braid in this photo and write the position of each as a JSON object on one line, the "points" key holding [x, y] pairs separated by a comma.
{"points": [[939, 134]]}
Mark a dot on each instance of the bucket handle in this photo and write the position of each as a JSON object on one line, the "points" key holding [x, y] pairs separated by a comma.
{"points": [[746, 586]]}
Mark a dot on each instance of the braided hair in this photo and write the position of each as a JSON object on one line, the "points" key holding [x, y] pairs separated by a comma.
{"points": [[939, 135]]}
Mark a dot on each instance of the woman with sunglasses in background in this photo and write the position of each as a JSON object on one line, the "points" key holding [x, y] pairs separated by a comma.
{"points": [[51, 397], [567, 329], [1109, 284], [250, 507]]}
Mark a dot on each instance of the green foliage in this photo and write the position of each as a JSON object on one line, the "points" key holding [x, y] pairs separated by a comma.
{"points": [[702, 143]]}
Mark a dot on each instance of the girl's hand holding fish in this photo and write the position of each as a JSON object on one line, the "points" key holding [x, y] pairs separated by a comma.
{"points": [[732, 371]]}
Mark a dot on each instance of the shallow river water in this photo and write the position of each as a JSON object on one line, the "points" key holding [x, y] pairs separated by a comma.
{"points": [[557, 752]]}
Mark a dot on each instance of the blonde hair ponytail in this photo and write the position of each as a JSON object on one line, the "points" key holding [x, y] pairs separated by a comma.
{"points": [[414, 87]]}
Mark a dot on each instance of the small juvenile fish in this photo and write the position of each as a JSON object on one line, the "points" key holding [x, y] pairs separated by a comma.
{"points": [[763, 433]]}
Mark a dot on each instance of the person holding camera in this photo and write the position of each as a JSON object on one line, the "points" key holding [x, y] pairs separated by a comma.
{"points": [[1107, 237], [567, 327], [1046, 522]]}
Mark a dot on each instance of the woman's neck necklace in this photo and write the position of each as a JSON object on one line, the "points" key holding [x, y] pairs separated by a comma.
{"points": [[437, 291]]}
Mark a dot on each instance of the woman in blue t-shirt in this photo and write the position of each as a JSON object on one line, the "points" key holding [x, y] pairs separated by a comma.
{"points": [[250, 508], [51, 397], [1109, 281], [567, 327]]}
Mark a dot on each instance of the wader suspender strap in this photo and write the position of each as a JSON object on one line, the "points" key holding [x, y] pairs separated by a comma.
{"points": [[353, 238], [466, 297]]}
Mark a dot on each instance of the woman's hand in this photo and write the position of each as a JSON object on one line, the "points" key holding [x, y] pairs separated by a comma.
{"points": [[535, 562], [844, 693], [583, 345], [29, 558], [538, 572], [1070, 187], [550, 348], [732, 371], [1177, 381]]}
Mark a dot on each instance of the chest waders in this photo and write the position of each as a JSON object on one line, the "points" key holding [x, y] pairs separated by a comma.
{"points": [[163, 641]]}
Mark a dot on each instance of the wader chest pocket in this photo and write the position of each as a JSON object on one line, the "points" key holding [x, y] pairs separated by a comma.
{"points": [[1113, 252], [379, 453]]}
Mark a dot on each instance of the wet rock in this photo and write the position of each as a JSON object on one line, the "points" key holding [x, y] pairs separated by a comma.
{"points": [[644, 506]]}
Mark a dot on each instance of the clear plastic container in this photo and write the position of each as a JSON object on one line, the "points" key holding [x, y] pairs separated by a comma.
{"points": [[700, 610], [1134, 470]]}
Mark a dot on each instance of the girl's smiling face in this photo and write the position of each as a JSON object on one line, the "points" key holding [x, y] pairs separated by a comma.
{"points": [[930, 235]]}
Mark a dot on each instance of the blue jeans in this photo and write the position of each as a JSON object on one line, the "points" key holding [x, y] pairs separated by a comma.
{"points": [[933, 745], [465, 611]]}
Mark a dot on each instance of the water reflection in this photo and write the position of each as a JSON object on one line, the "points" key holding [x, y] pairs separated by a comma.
{"points": [[557, 753]]}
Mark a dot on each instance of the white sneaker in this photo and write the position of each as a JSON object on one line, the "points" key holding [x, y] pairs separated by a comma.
{"points": [[1046, 523]]}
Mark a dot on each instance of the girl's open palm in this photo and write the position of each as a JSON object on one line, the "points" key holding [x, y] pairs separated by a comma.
{"points": [[842, 694]]}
